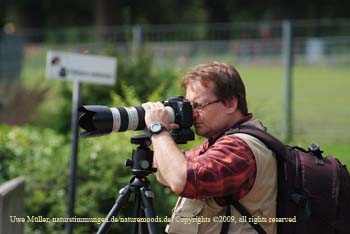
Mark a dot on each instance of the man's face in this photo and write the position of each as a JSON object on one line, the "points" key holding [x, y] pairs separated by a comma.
{"points": [[210, 118]]}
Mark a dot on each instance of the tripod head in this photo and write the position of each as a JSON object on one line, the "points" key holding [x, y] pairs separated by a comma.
{"points": [[141, 163]]}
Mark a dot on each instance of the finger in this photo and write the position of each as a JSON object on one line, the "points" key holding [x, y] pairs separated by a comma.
{"points": [[173, 126], [147, 105], [159, 104]]}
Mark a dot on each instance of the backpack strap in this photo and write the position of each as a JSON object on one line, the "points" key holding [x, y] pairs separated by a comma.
{"points": [[270, 141], [274, 145], [225, 225], [244, 212]]}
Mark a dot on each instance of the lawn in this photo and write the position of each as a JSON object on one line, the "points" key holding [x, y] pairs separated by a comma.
{"points": [[321, 97]]}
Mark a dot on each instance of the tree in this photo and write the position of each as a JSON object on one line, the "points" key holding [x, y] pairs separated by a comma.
{"points": [[49, 13]]}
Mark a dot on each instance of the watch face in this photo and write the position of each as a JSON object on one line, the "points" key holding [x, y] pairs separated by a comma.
{"points": [[156, 127]]}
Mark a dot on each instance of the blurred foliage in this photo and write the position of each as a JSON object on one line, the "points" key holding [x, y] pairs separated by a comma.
{"points": [[55, 14], [41, 152], [42, 157]]}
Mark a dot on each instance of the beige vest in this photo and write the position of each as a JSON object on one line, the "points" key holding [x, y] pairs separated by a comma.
{"points": [[205, 216]]}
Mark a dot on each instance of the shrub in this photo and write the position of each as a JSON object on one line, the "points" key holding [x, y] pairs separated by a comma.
{"points": [[42, 156]]}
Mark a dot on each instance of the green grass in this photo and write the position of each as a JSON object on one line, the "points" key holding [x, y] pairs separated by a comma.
{"points": [[321, 98], [264, 94], [321, 110], [340, 151]]}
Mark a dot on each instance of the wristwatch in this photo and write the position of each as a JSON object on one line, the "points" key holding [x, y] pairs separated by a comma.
{"points": [[156, 128]]}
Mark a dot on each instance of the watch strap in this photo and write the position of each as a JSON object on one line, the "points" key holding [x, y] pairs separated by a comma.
{"points": [[163, 128]]}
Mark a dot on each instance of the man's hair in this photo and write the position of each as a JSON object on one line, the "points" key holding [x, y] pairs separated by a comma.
{"points": [[227, 82]]}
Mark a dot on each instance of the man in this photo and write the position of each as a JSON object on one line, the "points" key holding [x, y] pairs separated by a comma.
{"points": [[235, 165]]}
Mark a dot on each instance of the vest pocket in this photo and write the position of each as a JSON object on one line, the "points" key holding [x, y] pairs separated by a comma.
{"points": [[184, 219]]}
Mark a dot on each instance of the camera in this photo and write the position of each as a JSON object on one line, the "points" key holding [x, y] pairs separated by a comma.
{"points": [[102, 120]]}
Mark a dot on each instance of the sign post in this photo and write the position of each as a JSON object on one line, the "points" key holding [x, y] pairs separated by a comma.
{"points": [[78, 68]]}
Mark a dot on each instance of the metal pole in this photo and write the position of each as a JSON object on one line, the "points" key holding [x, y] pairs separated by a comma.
{"points": [[74, 156], [136, 39], [288, 65]]}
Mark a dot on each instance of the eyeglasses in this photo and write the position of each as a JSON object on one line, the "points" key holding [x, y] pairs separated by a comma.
{"points": [[200, 107]]}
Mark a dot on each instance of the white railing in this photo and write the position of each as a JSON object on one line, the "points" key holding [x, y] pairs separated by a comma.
{"points": [[12, 204]]}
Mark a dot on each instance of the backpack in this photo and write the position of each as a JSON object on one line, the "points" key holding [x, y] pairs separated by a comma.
{"points": [[311, 188]]}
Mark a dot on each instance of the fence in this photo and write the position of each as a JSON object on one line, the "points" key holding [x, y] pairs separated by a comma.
{"points": [[11, 52], [12, 204], [320, 49]]}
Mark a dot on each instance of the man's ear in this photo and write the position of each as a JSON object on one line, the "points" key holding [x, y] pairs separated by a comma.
{"points": [[231, 105]]}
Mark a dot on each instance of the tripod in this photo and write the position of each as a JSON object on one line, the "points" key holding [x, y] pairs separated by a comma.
{"points": [[141, 165]]}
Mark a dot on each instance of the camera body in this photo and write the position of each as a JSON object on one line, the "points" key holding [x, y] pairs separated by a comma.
{"points": [[183, 117], [182, 110], [101, 120]]}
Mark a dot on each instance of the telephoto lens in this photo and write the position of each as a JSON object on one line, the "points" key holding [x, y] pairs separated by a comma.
{"points": [[101, 120]]}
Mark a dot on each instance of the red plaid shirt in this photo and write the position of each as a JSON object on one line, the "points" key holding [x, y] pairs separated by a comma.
{"points": [[225, 168]]}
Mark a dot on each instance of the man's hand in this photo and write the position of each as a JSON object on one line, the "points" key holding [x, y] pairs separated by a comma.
{"points": [[168, 158], [156, 112]]}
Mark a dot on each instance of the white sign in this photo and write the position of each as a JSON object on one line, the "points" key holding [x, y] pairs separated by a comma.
{"points": [[81, 67]]}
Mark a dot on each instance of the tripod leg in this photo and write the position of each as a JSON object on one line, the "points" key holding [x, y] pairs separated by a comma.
{"points": [[136, 213], [147, 196], [123, 197]]}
